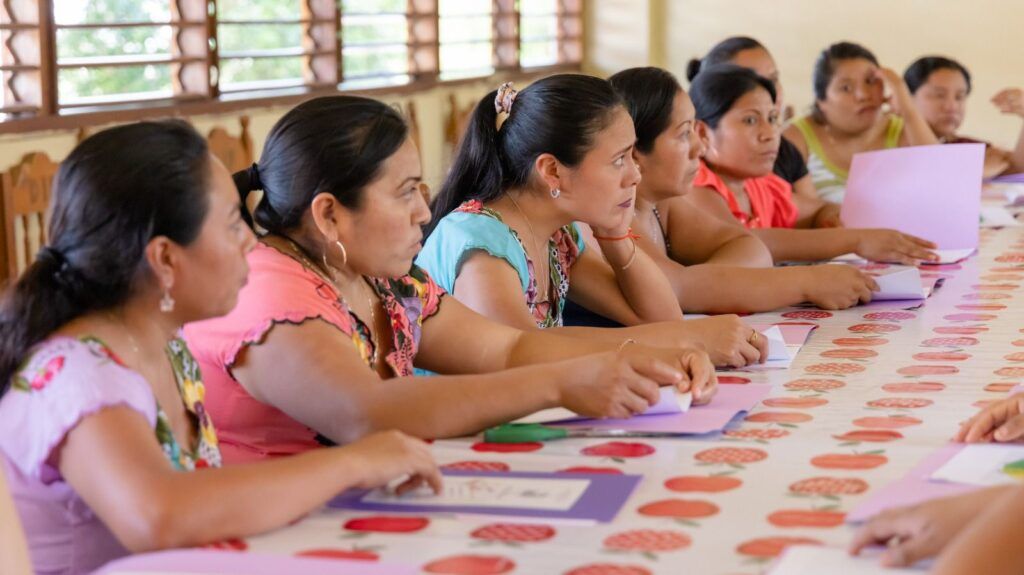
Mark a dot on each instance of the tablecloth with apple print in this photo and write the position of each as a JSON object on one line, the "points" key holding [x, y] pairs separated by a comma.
{"points": [[872, 393]]}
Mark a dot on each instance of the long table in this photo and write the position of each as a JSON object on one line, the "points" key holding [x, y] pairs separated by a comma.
{"points": [[871, 394]]}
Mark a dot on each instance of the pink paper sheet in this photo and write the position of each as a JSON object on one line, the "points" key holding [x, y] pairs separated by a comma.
{"points": [[939, 186], [212, 562], [727, 403], [913, 488]]}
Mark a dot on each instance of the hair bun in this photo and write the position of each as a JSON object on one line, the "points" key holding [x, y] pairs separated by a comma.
{"points": [[692, 69]]}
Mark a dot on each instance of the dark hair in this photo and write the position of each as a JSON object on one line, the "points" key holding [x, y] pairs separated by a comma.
{"points": [[714, 91], [115, 192], [333, 144], [917, 74], [721, 53], [558, 115], [648, 93]]}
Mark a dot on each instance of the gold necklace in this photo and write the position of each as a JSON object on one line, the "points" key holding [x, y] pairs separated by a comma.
{"points": [[543, 295], [328, 276]]}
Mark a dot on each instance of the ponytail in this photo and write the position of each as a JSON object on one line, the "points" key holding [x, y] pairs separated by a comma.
{"points": [[692, 69]]}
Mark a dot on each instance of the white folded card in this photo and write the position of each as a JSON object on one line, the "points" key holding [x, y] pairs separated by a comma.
{"points": [[981, 464], [672, 401]]}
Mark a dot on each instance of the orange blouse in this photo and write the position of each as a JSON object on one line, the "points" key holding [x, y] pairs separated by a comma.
{"points": [[771, 199]]}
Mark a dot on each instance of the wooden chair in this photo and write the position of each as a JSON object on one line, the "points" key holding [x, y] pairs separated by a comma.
{"points": [[235, 152], [26, 197]]}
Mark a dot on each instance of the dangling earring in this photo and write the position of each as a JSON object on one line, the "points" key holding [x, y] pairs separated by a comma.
{"points": [[166, 301], [344, 252], [556, 192]]}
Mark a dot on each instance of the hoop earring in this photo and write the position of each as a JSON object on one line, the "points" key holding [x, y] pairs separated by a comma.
{"points": [[556, 192], [344, 252], [166, 301]]}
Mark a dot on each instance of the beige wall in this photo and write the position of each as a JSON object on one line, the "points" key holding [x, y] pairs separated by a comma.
{"points": [[983, 34]]}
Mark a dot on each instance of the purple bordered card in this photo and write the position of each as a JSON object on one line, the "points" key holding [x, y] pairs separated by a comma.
{"points": [[580, 496]]}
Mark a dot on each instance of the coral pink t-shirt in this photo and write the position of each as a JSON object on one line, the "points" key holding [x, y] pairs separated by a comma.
{"points": [[282, 290], [771, 199]]}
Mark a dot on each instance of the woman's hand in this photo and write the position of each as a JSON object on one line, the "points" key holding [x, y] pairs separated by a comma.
{"points": [[1010, 101], [1000, 421], [836, 286], [895, 247], [385, 456], [728, 341]]}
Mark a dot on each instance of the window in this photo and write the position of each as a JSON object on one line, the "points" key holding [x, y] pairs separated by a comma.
{"points": [[466, 38], [85, 56]]}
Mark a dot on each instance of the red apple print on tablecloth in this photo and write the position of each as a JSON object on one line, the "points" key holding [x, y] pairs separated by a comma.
{"points": [[770, 547], [830, 486], [941, 356], [795, 402], [586, 469], [919, 370], [834, 368], [513, 532], [1007, 269], [950, 342], [819, 385], [760, 435], [355, 553], [385, 524], [986, 296], [1017, 342], [868, 460], [732, 456], [860, 341], [960, 330], [476, 466], [702, 483], [1003, 387], [1010, 372], [1002, 277], [781, 417], [732, 380], [806, 518], [887, 422], [969, 317], [849, 353], [995, 287], [470, 565], [233, 544], [914, 387], [619, 449], [981, 306], [608, 569], [873, 328], [870, 435], [889, 315], [485, 447], [648, 541], [900, 403], [1010, 258], [1017, 356], [807, 314], [683, 511]]}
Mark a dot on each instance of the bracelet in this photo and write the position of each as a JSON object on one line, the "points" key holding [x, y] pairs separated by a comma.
{"points": [[632, 258], [625, 343], [629, 236]]}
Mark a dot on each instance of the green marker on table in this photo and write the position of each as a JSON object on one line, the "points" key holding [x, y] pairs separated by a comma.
{"points": [[530, 432], [1015, 469]]}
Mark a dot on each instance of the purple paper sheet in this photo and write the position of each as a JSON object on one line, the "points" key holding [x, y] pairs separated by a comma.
{"points": [[212, 562], [602, 500], [730, 401], [1008, 179], [940, 185], [913, 488]]}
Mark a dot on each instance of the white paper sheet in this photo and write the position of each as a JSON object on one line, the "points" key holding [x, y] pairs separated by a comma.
{"points": [[953, 256], [818, 560], [980, 464], [506, 492], [671, 401], [899, 283], [997, 217]]}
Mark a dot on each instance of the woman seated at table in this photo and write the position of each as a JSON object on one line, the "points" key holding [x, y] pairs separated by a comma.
{"points": [[977, 532], [672, 230], [940, 87], [101, 405], [504, 240], [737, 120], [850, 92], [789, 164], [334, 305]]}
